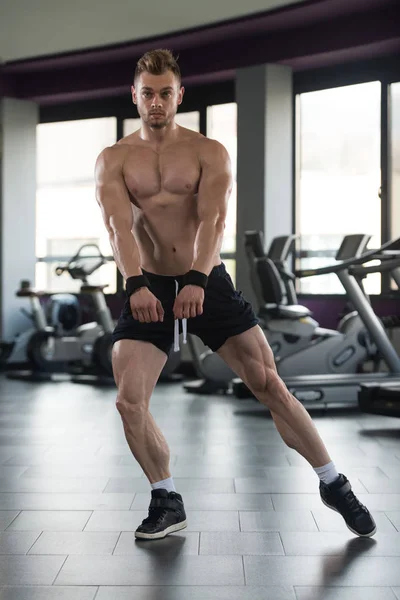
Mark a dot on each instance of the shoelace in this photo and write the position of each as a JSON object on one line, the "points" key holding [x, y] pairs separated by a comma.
{"points": [[352, 502], [155, 515]]}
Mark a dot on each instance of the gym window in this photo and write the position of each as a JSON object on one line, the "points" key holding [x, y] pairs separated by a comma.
{"points": [[222, 126], [338, 177], [67, 214]]}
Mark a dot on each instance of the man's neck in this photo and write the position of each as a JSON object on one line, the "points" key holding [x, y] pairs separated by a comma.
{"points": [[159, 136]]}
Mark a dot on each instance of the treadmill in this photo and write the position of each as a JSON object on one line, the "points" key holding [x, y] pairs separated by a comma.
{"points": [[337, 388], [380, 398]]}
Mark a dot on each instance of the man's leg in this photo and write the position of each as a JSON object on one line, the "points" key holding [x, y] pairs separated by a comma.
{"points": [[249, 355], [137, 366]]}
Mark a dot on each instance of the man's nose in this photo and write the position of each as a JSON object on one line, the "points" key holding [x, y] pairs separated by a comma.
{"points": [[156, 100]]}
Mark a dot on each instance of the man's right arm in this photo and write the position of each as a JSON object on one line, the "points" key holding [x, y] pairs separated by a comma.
{"points": [[113, 198]]}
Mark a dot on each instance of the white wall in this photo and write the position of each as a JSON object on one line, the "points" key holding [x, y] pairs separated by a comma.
{"points": [[18, 120], [29, 29]]}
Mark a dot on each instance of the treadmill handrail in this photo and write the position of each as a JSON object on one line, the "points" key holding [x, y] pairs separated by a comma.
{"points": [[346, 264], [386, 265]]}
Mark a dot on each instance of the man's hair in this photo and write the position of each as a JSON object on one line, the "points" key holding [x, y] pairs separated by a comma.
{"points": [[157, 62]]}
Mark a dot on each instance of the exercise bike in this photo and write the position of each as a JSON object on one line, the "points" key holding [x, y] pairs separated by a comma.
{"points": [[97, 358], [299, 344], [58, 342], [215, 375]]}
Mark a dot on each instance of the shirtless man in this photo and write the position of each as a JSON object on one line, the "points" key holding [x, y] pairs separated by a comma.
{"points": [[163, 192]]}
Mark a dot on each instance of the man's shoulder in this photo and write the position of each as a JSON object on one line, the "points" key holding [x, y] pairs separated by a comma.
{"points": [[133, 139], [113, 151], [110, 160], [112, 155], [209, 148], [122, 146]]}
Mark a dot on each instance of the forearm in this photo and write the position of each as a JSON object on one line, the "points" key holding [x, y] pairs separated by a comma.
{"points": [[208, 244], [126, 253]]}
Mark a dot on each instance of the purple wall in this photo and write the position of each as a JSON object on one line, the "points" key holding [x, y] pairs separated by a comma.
{"points": [[328, 311]]}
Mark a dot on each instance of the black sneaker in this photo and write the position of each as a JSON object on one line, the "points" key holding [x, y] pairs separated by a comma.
{"points": [[340, 497], [166, 515]]}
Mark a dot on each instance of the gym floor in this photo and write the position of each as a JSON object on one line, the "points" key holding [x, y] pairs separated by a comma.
{"points": [[72, 495]]}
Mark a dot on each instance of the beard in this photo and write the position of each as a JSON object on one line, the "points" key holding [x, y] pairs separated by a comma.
{"points": [[158, 124]]}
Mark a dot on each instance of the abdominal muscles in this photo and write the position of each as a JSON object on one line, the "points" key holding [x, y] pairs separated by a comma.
{"points": [[165, 230]]}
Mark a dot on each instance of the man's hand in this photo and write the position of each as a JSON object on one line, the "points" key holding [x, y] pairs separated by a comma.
{"points": [[189, 302], [145, 306]]}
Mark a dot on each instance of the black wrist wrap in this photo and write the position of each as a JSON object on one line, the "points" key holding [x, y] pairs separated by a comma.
{"points": [[135, 283], [193, 277]]}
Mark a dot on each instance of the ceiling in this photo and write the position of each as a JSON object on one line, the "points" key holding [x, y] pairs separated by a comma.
{"points": [[307, 35], [44, 27]]}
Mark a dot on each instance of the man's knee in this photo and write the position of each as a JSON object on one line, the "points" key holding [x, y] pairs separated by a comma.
{"points": [[269, 388], [260, 377], [131, 405]]}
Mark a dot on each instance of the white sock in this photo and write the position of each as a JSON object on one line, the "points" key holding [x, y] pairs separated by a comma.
{"points": [[165, 484], [328, 473]]}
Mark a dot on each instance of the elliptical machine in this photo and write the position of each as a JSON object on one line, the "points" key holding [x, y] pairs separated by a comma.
{"points": [[58, 341]]}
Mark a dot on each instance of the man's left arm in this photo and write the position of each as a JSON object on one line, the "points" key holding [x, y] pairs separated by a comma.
{"points": [[212, 201]]}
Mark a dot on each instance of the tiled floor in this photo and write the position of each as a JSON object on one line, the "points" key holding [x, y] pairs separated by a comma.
{"points": [[71, 497]]}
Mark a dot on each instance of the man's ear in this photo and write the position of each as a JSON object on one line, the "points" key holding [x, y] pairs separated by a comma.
{"points": [[133, 92], [180, 95]]}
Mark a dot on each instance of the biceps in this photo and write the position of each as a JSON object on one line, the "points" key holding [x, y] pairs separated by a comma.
{"points": [[214, 192], [115, 207]]}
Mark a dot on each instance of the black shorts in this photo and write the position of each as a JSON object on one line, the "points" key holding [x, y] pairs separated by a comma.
{"points": [[225, 313]]}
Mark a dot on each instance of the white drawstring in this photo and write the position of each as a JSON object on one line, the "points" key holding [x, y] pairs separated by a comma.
{"points": [[176, 325]]}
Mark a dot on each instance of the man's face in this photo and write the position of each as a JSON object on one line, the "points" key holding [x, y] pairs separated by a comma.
{"points": [[157, 98]]}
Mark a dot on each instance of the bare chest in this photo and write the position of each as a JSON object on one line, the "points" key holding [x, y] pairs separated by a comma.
{"points": [[172, 172]]}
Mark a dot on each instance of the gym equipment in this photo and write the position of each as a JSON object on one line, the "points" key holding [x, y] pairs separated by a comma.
{"points": [[299, 345], [338, 387], [215, 375], [343, 350], [279, 251], [288, 326], [380, 399], [58, 342]]}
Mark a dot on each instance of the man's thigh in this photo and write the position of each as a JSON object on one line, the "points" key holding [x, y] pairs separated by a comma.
{"points": [[226, 312], [137, 366]]}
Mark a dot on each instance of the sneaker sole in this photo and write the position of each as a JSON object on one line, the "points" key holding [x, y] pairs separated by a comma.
{"points": [[348, 526], [161, 534]]}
